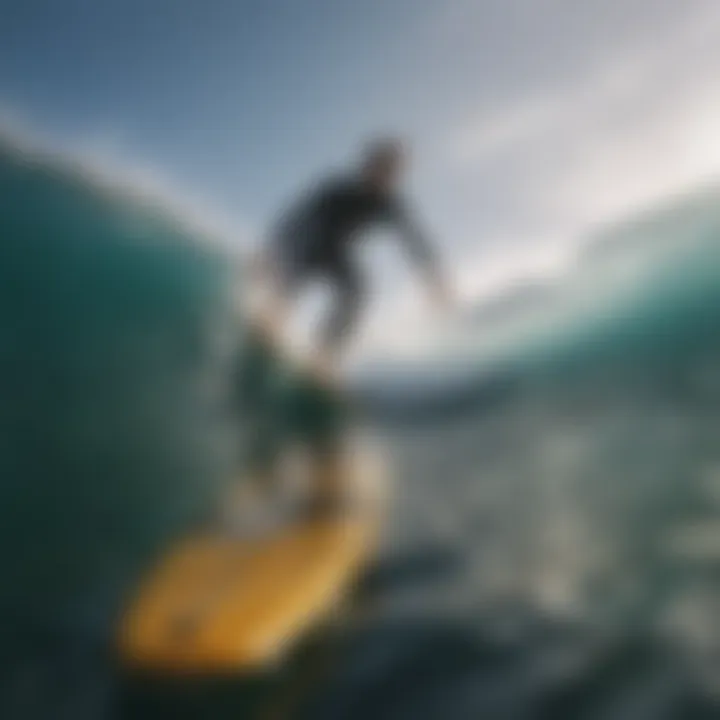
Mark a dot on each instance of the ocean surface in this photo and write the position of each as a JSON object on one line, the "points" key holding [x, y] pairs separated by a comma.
{"points": [[554, 549]]}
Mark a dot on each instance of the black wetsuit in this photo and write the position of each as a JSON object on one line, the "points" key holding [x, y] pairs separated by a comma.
{"points": [[315, 238]]}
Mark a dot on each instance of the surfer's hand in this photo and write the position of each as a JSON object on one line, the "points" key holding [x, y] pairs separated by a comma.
{"points": [[440, 293]]}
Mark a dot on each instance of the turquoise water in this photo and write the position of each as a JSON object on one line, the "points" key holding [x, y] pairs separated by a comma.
{"points": [[553, 548], [108, 411]]}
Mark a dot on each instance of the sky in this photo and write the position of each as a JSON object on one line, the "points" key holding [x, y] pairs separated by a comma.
{"points": [[531, 121]]}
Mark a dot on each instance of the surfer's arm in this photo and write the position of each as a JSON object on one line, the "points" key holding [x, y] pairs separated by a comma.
{"points": [[421, 251]]}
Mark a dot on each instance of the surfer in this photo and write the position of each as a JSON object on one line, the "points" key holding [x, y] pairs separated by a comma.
{"points": [[314, 240]]}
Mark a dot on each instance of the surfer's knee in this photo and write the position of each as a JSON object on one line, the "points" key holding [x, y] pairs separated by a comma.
{"points": [[346, 311]]}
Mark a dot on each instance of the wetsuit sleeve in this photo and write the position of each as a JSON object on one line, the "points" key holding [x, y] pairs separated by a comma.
{"points": [[413, 237]]}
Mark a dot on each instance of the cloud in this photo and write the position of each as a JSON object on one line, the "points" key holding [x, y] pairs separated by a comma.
{"points": [[490, 134], [650, 160], [616, 80]]}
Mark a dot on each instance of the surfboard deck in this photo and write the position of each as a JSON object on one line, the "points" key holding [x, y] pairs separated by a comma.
{"points": [[223, 603]]}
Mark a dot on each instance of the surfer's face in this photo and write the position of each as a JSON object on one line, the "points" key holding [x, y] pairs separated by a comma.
{"points": [[384, 171]]}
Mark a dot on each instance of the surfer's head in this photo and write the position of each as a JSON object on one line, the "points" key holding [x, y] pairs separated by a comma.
{"points": [[383, 162]]}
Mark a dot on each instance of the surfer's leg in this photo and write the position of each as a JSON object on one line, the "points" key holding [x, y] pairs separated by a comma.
{"points": [[286, 275], [348, 300], [279, 278]]}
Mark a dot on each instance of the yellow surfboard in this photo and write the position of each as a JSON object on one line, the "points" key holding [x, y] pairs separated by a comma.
{"points": [[219, 603]]}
